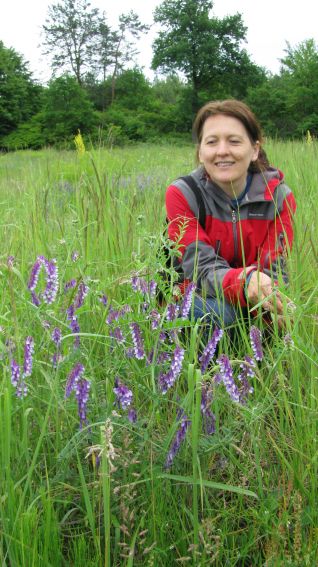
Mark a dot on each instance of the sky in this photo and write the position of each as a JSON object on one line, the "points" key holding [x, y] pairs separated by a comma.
{"points": [[270, 24]]}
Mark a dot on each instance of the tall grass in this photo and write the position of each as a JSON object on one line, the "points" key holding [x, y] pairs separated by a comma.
{"points": [[100, 494]]}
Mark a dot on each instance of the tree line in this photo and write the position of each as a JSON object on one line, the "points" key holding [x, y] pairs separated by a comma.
{"points": [[96, 87]]}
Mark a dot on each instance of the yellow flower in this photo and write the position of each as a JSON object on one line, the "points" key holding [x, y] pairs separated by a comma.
{"points": [[79, 144]]}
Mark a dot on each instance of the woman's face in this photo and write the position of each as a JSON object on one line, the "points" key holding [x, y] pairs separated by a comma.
{"points": [[226, 152]]}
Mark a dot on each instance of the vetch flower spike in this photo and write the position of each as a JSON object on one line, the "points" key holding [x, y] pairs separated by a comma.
{"points": [[178, 439], [166, 381], [226, 373], [187, 300], [210, 349], [256, 343], [73, 377]]}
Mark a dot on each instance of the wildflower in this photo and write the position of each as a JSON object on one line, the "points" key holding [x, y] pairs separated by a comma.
{"points": [[15, 373], [256, 342], [210, 349], [155, 317], [247, 372], [103, 299], [81, 294], [137, 340], [74, 325], [113, 315], [166, 381], [227, 377], [208, 417], [179, 437], [117, 335], [75, 256], [152, 289], [187, 300], [172, 311], [79, 144], [132, 415], [124, 396], [52, 282], [70, 285], [35, 272], [56, 359], [82, 388], [35, 299], [28, 352], [73, 377], [56, 336]]}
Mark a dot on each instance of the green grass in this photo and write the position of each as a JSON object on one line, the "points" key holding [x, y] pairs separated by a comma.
{"points": [[99, 495]]}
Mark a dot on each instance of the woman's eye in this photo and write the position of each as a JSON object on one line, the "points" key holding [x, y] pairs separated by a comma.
{"points": [[235, 141]]}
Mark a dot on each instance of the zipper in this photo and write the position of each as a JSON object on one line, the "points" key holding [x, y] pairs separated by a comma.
{"points": [[234, 221]]}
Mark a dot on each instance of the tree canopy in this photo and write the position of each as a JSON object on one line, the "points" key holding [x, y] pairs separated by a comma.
{"points": [[205, 49]]}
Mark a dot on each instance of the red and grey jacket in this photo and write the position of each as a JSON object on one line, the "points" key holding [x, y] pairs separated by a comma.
{"points": [[256, 235]]}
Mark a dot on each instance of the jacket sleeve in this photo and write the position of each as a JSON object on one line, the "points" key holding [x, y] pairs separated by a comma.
{"points": [[200, 261], [278, 241]]}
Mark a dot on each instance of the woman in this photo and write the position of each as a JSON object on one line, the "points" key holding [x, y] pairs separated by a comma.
{"points": [[238, 257]]}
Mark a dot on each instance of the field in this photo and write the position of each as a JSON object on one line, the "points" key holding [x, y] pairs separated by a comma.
{"points": [[100, 464]]}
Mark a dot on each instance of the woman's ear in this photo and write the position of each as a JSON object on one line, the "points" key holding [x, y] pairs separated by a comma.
{"points": [[256, 149]]}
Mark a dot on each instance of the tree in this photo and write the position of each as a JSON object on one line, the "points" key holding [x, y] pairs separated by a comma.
{"points": [[300, 74], [20, 96], [67, 109], [123, 41], [204, 48], [70, 36]]}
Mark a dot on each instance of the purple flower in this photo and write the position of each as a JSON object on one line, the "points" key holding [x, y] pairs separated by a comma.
{"points": [[256, 342], [124, 396], [35, 272], [152, 289], [56, 359], [132, 415], [81, 294], [28, 354], [75, 256], [166, 381], [117, 335], [35, 299], [137, 340], [56, 336], [247, 372], [130, 352], [155, 317], [82, 388], [113, 315], [52, 281], [15, 373], [179, 437], [208, 418], [187, 300], [103, 299], [74, 325], [70, 284], [172, 311], [210, 349], [227, 377], [73, 377]]}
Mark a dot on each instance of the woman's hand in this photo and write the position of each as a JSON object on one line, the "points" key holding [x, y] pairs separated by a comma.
{"points": [[261, 290]]}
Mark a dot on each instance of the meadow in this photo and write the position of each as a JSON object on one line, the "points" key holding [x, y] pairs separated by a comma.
{"points": [[118, 446]]}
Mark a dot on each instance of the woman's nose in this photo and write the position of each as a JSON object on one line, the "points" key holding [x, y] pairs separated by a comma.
{"points": [[222, 147]]}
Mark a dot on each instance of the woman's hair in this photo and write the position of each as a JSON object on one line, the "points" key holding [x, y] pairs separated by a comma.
{"points": [[241, 112]]}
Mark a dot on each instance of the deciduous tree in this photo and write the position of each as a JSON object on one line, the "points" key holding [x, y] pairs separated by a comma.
{"points": [[205, 49]]}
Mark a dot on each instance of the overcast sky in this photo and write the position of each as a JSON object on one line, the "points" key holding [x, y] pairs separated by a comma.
{"points": [[270, 24]]}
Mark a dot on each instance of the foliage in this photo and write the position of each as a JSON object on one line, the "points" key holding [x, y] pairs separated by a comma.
{"points": [[66, 109], [286, 104], [19, 96], [205, 49]]}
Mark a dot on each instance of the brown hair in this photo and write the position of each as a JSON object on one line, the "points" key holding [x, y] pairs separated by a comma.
{"points": [[241, 112]]}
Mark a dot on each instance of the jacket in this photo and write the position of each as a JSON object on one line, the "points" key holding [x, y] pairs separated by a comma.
{"points": [[236, 240]]}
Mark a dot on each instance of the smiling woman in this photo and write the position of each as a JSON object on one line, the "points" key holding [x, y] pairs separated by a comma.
{"points": [[238, 257]]}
